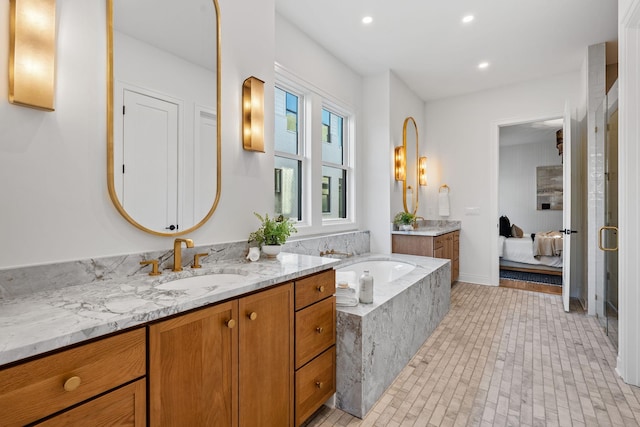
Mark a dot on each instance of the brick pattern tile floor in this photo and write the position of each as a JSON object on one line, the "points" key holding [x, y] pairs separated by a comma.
{"points": [[505, 357]]}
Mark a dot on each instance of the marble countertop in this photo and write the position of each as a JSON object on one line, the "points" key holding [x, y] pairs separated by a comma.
{"points": [[429, 230], [48, 320]]}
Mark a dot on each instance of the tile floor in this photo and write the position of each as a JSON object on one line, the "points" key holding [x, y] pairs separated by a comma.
{"points": [[505, 357]]}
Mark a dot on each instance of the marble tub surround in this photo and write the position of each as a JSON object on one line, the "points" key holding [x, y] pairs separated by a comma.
{"points": [[20, 281], [430, 227], [53, 318], [375, 341]]}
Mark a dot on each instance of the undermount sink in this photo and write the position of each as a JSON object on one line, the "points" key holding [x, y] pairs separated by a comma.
{"points": [[207, 280]]}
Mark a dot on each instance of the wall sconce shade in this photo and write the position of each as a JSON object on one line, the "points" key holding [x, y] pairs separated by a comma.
{"points": [[400, 165], [253, 114], [422, 170], [32, 44]]}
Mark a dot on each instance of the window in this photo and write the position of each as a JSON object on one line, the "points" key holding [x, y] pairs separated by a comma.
{"points": [[312, 171], [334, 167], [288, 158]]}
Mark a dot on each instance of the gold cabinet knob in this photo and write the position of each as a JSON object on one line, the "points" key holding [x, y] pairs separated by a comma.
{"points": [[319, 384], [320, 288], [231, 323], [253, 315], [319, 329], [72, 383]]}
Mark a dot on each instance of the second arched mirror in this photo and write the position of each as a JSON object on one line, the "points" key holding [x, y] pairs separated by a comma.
{"points": [[410, 185], [163, 138]]}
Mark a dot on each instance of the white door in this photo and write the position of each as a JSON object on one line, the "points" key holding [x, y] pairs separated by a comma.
{"points": [[566, 208], [150, 166]]}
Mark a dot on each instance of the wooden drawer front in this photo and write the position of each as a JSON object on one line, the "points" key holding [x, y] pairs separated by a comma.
{"points": [[36, 389], [122, 407], [439, 241], [315, 383], [315, 330], [315, 288]]}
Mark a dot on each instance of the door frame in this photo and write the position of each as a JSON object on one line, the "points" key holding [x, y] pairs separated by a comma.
{"points": [[494, 168]]}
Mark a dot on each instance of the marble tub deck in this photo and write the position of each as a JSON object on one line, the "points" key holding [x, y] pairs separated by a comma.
{"points": [[375, 341]]}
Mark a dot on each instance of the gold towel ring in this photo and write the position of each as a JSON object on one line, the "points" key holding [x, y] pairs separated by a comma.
{"points": [[443, 187]]}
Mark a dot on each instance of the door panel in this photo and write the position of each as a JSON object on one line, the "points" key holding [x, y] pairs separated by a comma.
{"points": [[149, 170]]}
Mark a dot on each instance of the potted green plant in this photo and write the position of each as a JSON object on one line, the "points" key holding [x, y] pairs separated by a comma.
{"points": [[272, 233], [404, 221]]}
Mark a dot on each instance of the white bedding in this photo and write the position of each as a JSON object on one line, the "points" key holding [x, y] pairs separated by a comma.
{"points": [[520, 249]]}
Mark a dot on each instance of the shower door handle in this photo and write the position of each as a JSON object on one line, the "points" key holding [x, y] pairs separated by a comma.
{"points": [[602, 229]]}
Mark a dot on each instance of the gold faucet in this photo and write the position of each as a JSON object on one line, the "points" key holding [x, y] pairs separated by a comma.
{"points": [[177, 252]]}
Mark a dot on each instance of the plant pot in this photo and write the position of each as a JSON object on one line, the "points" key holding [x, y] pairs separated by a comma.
{"points": [[271, 251], [405, 227]]}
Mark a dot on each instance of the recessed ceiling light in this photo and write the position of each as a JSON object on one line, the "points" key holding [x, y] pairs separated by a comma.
{"points": [[468, 19], [367, 20], [483, 65]]}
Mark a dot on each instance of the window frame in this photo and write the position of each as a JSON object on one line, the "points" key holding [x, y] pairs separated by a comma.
{"points": [[347, 130], [302, 149], [312, 101]]}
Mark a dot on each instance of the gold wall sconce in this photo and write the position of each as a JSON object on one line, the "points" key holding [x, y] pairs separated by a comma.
{"points": [[422, 171], [253, 114], [32, 43], [400, 167]]}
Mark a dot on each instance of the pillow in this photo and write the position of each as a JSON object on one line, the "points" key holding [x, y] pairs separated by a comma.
{"points": [[516, 231]]}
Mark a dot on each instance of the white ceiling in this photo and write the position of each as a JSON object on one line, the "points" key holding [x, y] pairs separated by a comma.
{"points": [[425, 43], [527, 133]]}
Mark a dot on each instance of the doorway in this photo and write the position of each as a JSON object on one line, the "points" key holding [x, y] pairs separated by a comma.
{"points": [[530, 195]]}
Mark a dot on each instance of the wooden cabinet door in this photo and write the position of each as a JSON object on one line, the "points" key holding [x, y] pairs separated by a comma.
{"points": [[193, 368], [266, 358]]}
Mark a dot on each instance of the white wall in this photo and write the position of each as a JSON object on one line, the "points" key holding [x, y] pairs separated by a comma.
{"points": [[375, 154], [629, 191], [55, 205], [404, 103], [517, 185], [461, 134]]}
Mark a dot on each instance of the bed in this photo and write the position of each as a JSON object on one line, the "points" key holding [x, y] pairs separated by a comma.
{"points": [[519, 253]]}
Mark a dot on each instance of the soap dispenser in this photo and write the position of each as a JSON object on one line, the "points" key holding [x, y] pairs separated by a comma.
{"points": [[366, 288]]}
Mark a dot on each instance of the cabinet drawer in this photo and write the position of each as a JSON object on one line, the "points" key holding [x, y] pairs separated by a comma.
{"points": [[36, 389], [315, 330], [315, 383], [122, 407], [314, 288]]}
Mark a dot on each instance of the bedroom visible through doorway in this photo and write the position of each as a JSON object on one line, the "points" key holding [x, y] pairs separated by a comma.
{"points": [[530, 205]]}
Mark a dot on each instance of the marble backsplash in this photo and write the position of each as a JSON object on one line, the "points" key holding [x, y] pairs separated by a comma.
{"points": [[26, 280], [433, 223]]}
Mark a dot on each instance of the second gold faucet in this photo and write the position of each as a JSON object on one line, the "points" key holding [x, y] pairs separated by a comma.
{"points": [[177, 252]]}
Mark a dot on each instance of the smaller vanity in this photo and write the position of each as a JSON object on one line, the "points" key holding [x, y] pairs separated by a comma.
{"points": [[432, 238]]}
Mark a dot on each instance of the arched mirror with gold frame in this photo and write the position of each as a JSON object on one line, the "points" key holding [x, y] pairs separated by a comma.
{"points": [[163, 112], [410, 184]]}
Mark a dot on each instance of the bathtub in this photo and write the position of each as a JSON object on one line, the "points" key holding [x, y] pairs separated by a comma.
{"points": [[383, 271], [375, 341]]}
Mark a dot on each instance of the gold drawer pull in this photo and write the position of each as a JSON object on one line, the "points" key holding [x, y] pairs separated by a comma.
{"points": [[319, 384], [319, 329], [231, 323], [72, 383], [320, 288], [253, 315]]}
